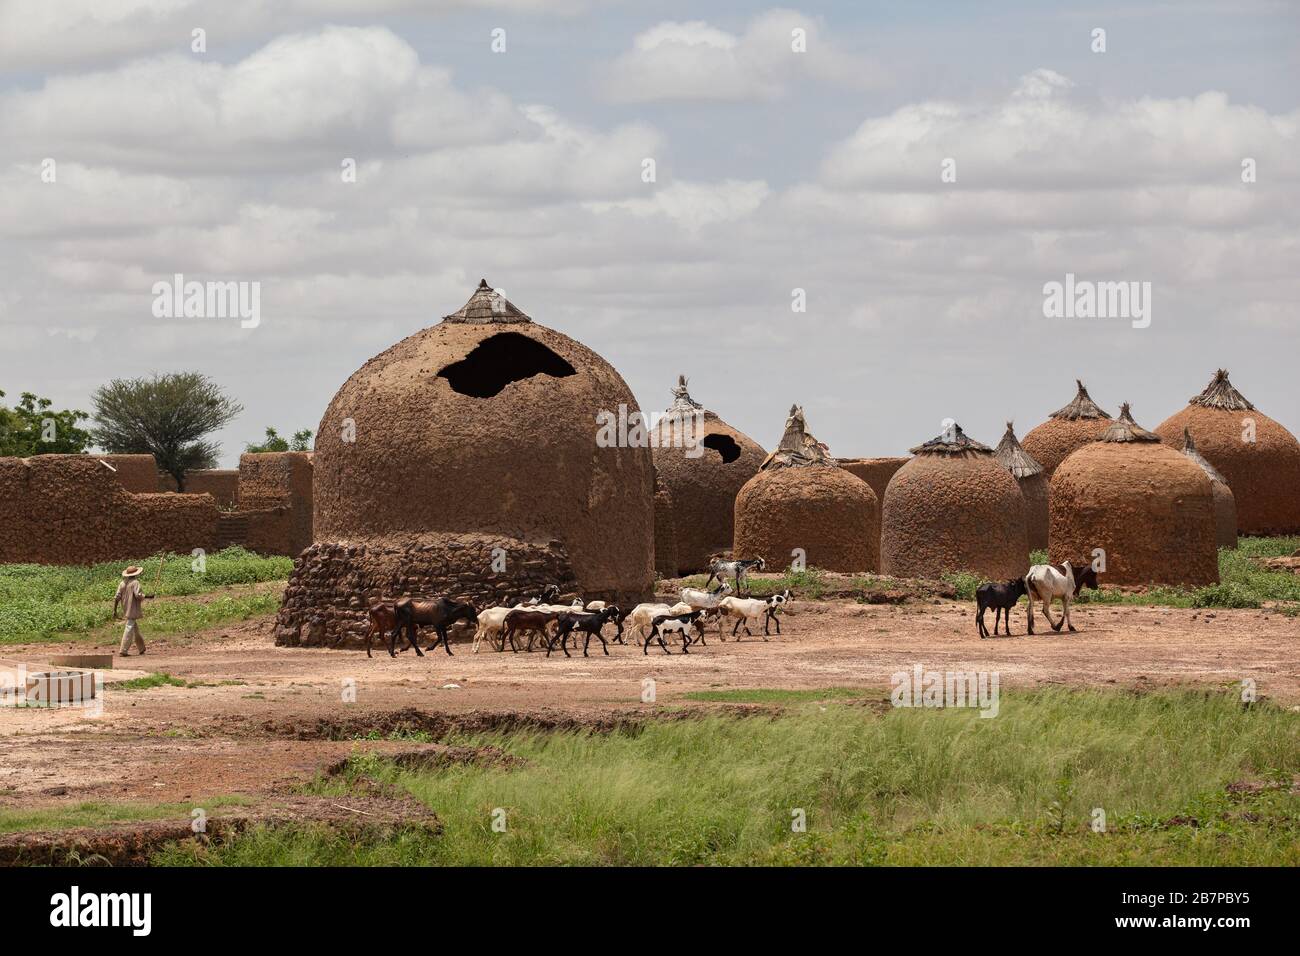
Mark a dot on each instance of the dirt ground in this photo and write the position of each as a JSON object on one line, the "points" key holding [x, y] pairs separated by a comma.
{"points": [[263, 718]]}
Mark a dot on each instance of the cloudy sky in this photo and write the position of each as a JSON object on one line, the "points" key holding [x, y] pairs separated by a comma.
{"points": [[776, 169]]}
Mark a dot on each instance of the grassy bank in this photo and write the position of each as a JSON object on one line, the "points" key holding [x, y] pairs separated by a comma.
{"points": [[912, 786], [39, 602]]}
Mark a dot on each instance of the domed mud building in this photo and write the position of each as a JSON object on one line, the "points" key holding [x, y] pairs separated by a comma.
{"points": [[800, 499], [1257, 457], [665, 532], [701, 481], [1065, 431], [1033, 485], [953, 507], [1148, 507], [464, 461], [1225, 504]]}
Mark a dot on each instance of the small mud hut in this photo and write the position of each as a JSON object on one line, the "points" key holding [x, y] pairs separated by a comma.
{"points": [[1258, 458], [801, 500], [1065, 431], [1148, 507], [954, 507], [702, 479], [1033, 485], [465, 461], [1225, 503]]}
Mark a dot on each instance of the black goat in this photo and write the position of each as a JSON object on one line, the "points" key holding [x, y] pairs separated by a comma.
{"points": [[668, 623], [588, 623], [1002, 598]]}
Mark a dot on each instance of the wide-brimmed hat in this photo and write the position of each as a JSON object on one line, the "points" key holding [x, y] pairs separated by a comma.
{"points": [[132, 572]]}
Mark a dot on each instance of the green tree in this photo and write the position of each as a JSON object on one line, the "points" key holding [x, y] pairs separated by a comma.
{"points": [[301, 441], [166, 416], [32, 428]]}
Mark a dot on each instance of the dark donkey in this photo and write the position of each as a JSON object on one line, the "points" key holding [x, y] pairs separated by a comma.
{"points": [[1000, 597], [439, 615]]}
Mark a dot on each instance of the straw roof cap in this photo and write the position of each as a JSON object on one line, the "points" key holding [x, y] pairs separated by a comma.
{"points": [[952, 441], [487, 305], [1012, 456], [1221, 395], [1126, 430], [1081, 407], [798, 447]]}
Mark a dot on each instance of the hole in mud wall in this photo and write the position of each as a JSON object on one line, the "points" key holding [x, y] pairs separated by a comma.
{"points": [[501, 359], [724, 445]]}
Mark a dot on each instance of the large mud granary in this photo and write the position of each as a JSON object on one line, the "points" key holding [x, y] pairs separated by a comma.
{"points": [[464, 461]]}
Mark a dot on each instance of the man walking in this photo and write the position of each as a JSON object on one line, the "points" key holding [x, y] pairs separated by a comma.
{"points": [[130, 597]]}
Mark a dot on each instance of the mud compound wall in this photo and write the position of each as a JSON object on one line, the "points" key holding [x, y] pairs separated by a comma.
{"points": [[278, 480], [221, 483], [333, 585], [70, 509], [136, 473], [874, 471]]}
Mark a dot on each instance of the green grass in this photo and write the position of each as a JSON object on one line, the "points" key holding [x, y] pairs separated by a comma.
{"points": [[156, 679], [39, 602], [774, 695], [913, 786], [100, 814]]}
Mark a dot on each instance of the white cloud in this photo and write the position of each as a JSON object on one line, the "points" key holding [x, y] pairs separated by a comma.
{"points": [[693, 60], [53, 34], [1040, 137]]}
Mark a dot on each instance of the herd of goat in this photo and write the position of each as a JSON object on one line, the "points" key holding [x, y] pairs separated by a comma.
{"points": [[541, 619], [553, 624]]}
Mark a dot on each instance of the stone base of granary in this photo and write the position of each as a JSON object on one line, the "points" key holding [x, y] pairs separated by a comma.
{"points": [[333, 585]]}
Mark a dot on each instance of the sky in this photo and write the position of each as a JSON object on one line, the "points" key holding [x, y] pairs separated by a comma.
{"points": [[915, 174]]}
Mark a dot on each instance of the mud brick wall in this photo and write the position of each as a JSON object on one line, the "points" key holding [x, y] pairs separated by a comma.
{"points": [[70, 509], [279, 480], [333, 584], [221, 483], [138, 474]]}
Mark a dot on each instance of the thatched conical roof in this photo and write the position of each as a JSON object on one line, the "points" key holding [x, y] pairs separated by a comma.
{"points": [[487, 305], [1082, 406], [1189, 449], [1125, 429], [1013, 457], [682, 401], [952, 441], [1220, 394], [798, 448]]}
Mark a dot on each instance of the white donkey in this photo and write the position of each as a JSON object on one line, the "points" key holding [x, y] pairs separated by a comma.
{"points": [[1046, 582]]}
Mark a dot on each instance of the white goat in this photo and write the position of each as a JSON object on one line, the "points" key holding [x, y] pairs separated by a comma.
{"points": [[639, 618], [745, 610], [1046, 582], [682, 624]]}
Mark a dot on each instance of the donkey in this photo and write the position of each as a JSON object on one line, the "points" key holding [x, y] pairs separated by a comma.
{"points": [[439, 614], [1000, 597], [1046, 582]]}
